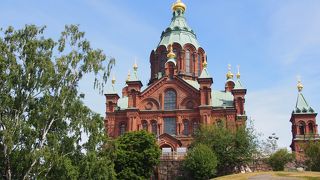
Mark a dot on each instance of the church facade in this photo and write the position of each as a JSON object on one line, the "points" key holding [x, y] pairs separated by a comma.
{"points": [[304, 126], [180, 95]]}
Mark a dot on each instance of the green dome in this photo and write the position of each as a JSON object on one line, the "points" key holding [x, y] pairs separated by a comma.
{"points": [[178, 32]]}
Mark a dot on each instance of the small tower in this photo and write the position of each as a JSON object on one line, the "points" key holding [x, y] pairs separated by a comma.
{"points": [[239, 93], [134, 87], [205, 81], [229, 83], [111, 98], [304, 126], [170, 65]]}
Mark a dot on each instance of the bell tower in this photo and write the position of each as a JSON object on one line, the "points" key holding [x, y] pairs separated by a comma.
{"points": [[304, 127]]}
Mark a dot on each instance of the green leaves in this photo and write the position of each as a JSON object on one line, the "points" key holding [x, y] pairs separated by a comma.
{"points": [[279, 159], [232, 148], [137, 153], [42, 118], [201, 162], [312, 152]]}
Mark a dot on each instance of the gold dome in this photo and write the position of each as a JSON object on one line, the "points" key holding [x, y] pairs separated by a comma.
{"points": [[238, 74], [135, 65], [113, 81], [179, 5], [299, 86], [205, 64], [171, 54], [229, 74]]}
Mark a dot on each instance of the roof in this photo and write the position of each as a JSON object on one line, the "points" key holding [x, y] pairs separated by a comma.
{"points": [[123, 103], [219, 98], [179, 32], [302, 106], [238, 85], [204, 73]]}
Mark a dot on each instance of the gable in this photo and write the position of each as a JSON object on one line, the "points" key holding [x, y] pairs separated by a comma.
{"points": [[187, 95]]}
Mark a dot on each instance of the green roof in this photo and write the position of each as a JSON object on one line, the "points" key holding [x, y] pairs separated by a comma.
{"points": [[222, 99], [204, 73], [219, 98], [134, 76], [123, 103], [238, 84], [302, 106], [179, 32]]}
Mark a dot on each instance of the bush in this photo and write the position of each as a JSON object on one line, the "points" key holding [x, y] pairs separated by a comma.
{"points": [[280, 158], [312, 153], [137, 153], [200, 162]]}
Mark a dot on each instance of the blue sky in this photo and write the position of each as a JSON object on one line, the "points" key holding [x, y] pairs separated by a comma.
{"points": [[273, 41]]}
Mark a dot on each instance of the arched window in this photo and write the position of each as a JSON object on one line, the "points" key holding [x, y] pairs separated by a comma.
{"points": [[187, 58], [163, 60], [154, 127], [195, 126], [302, 128], [122, 128], [170, 100], [199, 64], [186, 127], [145, 125], [310, 126]]}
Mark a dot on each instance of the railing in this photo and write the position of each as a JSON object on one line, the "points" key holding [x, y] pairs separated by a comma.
{"points": [[173, 156]]}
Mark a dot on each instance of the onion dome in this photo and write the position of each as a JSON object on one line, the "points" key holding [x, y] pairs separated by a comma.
{"points": [[171, 55], [179, 6], [238, 84], [204, 72], [299, 86], [178, 30], [229, 74]]}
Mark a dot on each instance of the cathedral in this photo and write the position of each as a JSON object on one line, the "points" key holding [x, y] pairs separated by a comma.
{"points": [[180, 95], [304, 127]]}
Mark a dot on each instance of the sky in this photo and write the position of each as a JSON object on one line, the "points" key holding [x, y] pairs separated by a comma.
{"points": [[273, 42]]}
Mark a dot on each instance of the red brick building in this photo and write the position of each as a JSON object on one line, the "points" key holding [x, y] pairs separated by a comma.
{"points": [[180, 94], [304, 125]]}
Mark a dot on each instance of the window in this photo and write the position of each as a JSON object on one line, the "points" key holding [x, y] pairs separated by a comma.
{"points": [[154, 127], [163, 60], [187, 61], [195, 126], [170, 100], [302, 128], [185, 127], [145, 125], [199, 64], [311, 131], [122, 128], [170, 126]]}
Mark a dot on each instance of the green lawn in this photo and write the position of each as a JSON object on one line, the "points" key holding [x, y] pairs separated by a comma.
{"points": [[302, 175]]}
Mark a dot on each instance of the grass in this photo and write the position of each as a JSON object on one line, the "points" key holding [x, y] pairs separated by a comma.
{"points": [[301, 175]]}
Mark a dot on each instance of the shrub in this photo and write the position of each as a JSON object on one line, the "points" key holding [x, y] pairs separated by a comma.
{"points": [[200, 162], [280, 158], [312, 153]]}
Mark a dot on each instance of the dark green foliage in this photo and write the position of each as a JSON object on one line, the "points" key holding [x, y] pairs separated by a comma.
{"points": [[42, 117], [232, 149], [312, 152], [200, 162], [137, 153], [279, 159]]}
